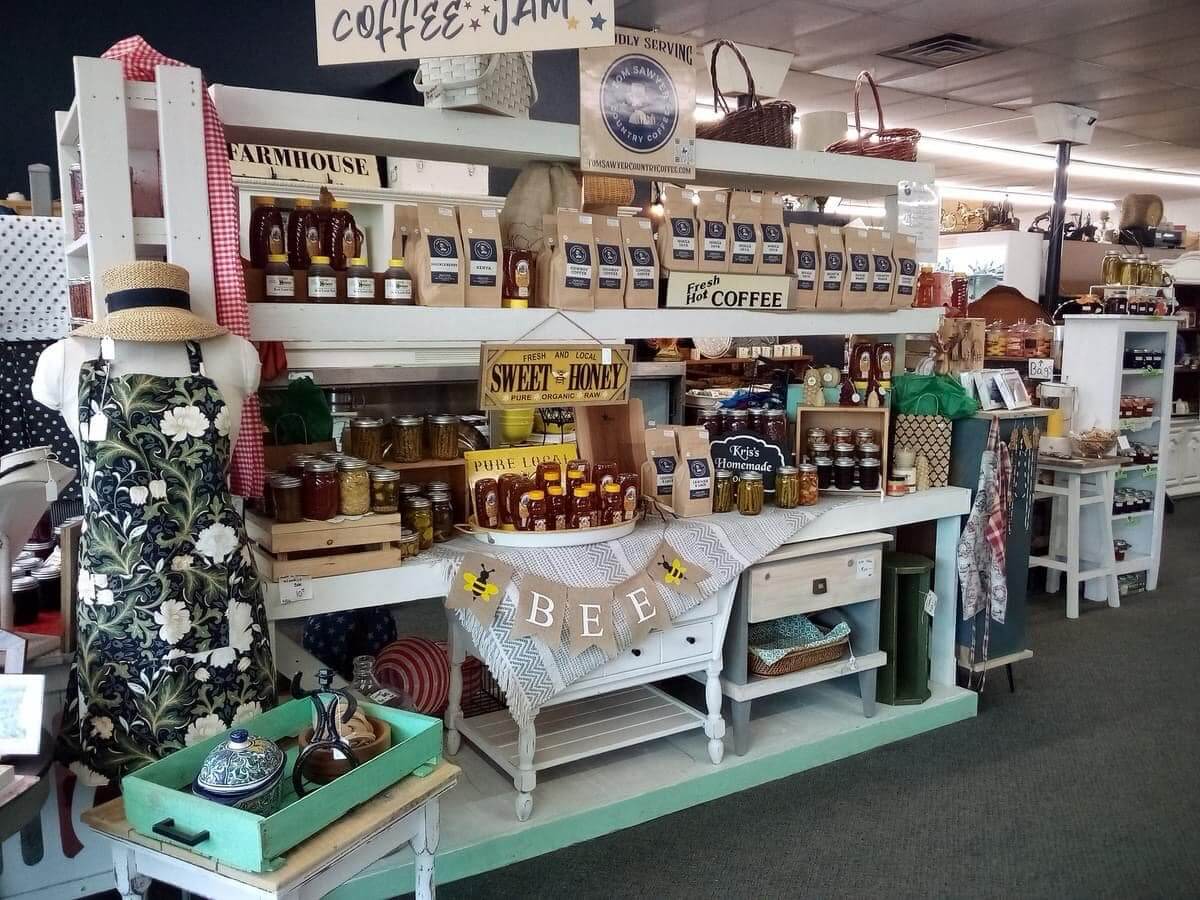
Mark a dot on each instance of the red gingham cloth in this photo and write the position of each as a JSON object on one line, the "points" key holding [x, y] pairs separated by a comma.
{"points": [[138, 60], [996, 530]]}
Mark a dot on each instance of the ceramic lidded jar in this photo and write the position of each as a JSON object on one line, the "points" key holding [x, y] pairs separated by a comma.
{"points": [[245, 771]]}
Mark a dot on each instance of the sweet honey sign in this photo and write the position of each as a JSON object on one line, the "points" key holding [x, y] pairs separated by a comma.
{"points": [[358, 31], [520, 376]]}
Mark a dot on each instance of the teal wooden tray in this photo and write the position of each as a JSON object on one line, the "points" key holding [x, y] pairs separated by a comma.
{"points": [[255, 843]]}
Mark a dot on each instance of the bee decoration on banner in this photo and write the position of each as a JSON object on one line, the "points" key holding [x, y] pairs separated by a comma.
{"points": [[479, 584], [676, 571]]}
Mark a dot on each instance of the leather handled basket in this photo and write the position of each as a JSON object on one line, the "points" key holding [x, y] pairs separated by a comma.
{"points": [[882, 143]]}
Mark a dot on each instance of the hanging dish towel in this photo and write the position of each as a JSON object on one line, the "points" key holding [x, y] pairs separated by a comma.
{"points": [[138, 60]]}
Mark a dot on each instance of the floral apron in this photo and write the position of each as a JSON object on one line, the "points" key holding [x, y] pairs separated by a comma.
{"points": [[172, 639]]}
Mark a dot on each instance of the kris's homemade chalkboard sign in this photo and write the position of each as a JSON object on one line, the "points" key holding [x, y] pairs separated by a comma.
{"points": [[749, 453]]}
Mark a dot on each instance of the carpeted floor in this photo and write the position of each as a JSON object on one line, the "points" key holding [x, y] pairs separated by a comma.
{"points": [[1084, 783]]}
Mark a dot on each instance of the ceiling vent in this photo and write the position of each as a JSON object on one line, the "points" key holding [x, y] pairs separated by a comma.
{"points": [[943, 50]]}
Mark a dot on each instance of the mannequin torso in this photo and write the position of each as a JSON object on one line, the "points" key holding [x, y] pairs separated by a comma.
{"points": [[230, 361]]}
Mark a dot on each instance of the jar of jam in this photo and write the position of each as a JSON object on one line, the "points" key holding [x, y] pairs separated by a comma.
{"points": [[843, 450], [868, 474], [265, 231], [487, 503], [417, 514], [612, 507], [631, 494], [750, 493], [443, 516], [341, 241], [286, 491], [809, 484], [556, 497], [754, 420], [354, 487], [815, 436], [604, 473], [870, 451], [577, 473], [303, 234], [775, 426], [548, 473], [583, 509], [266, 504], [841, 435], [366, 439], [711, 420], [26, 600], [518, 277], [864, 436], [787, 487], [360, 283], [819, 449], [539, 512], [437, 487], [322, 283], [408, 439], [397, 283], [506, 484], [319, 491], [296, 464], [519, 498], [409, 543], [724, 491], [737, 421], [443, 437], [279, 284], [843, 473], [385, 491]]}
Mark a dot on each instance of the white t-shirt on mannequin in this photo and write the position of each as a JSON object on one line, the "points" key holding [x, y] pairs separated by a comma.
{"points": [[230, 361]]}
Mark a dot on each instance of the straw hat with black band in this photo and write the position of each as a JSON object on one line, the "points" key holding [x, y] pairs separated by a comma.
{"points": [[149, 301]]}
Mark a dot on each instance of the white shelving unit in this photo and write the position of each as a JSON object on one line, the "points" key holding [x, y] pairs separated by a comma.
{"points": [[144, 142], [1088, 340]]}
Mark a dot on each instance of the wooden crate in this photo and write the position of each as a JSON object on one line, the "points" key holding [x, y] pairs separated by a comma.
{"points": [[256, 843], [325, 548], [853, 417], [616, 432]]}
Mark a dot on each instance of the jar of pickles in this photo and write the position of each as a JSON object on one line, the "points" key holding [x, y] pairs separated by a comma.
{"points": [[725, 491], [385, 491], [750, 493], [285, 489], [319, 490], [408, 439], [366, 439], [354, 487], [443, 437], [809, 484], [418, 515], [443, 516], [410, 544], [787, 487]]}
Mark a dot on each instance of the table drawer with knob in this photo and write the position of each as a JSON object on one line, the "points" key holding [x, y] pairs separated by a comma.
{"points": [[685, 641], [806, 584], [647, 653]]}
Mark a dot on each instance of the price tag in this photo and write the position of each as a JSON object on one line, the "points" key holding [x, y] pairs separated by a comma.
{"points": [[930, 603], [864, 567], [1041, 369], [97, 428], [294, 588], [606, 356], [108, 348], [1123, 442]]}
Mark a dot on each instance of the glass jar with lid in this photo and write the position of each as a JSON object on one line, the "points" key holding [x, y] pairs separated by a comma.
{"points": [[868, 474], [442, 509], [360, 282], [285, 490], [724, 492], [322, 282], [410, 544], [296, 464], [775, 426], [809, 484], [737, 421], [418, 515], [279, 282], [843, 473], [787, 487], [397, 284], [319, 490], [750, 493], [443, 437], [385, 493], [354, 487], [408, 439], [824, 466], [366, 439]]}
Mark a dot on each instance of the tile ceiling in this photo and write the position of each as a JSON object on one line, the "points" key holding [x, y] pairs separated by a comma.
{"points": [[1137, 62]]}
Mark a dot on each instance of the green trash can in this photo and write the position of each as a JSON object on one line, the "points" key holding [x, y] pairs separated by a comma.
{"points": [[904, 629]]}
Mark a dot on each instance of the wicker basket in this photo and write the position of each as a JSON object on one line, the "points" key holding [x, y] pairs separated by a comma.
{"points": [[882, 143], [499, 83], [766, 124], [800, 658], [602, 193]]}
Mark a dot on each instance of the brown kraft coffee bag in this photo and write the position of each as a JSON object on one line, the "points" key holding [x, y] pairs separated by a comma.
{"points": [[713, 223], [641, 263], [437, 257], [882, 268], [856, 292], [573, 265], [610, 268], [832, 256], [804, 266], [658, 471], [693, 490], [904, 257], [677, 233], [773, 258], [744, 249], [481, 240]]}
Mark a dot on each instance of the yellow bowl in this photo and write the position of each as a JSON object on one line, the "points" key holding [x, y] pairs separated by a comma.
{"points": [[515, 425]]}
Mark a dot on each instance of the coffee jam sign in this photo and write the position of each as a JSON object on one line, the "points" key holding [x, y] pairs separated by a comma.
{"points": [[528, 375], [357, 31], [749, 453]]}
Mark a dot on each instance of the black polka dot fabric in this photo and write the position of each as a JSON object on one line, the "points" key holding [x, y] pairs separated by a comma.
{"points": [[23, 421], [33, 279]]}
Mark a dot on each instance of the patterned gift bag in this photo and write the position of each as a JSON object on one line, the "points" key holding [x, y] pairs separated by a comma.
{"points": [[928, 434]]}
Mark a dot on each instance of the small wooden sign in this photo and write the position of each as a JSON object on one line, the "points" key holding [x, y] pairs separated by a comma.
{"points": [[749, 453], [300, 164], [356, 31], [520, 376], [721, 290]]}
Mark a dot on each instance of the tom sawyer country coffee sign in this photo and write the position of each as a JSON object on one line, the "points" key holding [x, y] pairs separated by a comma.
{"points": [[637, 101], [749, 453], [300, 164], [520, 376], [358, 31], [706, 290]]}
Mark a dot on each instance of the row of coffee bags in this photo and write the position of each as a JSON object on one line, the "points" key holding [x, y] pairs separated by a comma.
{"points": [[722, 231], [596, 262], [678, 471], [455, 255], [851, 268]]}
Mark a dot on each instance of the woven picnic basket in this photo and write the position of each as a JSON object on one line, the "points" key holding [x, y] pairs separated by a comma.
{"points": [[882, 143], [766, 124]]}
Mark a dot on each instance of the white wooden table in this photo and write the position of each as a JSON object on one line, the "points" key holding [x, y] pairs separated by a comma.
{"points": [[406, 813]]}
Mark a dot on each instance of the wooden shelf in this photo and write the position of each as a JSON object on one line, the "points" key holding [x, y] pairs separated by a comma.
{"points": [[763, 685], [424, 464], [745, 360]]}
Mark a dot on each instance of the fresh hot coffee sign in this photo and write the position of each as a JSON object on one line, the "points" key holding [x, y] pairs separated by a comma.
{"points": [[721, 290], [357, 31], [520, 376]]}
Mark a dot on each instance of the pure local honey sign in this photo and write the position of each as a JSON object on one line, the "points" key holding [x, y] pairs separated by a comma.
{"points": [[520, 376]]}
